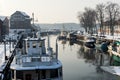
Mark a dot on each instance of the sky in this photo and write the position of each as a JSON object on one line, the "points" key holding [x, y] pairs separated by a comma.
{"points": [[50, 11]]}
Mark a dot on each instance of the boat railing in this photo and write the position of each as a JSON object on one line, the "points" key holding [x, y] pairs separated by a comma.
{"points": [[25, 60]]}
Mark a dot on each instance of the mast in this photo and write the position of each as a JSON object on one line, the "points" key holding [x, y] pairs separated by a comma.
{"points": [[49, 48], [39, 33], [56, 49], [48, 41], [33, 24], [33, 18]]}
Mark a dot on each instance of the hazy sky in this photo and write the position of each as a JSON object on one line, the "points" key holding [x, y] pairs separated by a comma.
{"points": [[49, 11]]}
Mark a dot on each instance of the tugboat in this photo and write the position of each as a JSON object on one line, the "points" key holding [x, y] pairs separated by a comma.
{"points": [[34, 62]]}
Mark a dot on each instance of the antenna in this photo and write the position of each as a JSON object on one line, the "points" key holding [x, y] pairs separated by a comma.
{"points": [[40, 32], [33, 24]]}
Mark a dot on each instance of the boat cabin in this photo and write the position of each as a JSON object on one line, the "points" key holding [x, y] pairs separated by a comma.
{"points": [[33, 62]]}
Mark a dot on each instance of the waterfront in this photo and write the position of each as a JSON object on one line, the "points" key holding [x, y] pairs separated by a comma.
{"points": [[77, 65]]}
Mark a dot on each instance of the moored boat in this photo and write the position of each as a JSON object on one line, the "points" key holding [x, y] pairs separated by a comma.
{"points": [[114, 67], [90, 42], [114, 50], [34, 62]]}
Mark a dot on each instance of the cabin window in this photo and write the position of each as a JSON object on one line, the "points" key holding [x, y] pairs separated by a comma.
{"points": [[19, 75], [35, 59], [28, 45], [40, 45], [54, 73], [34, 44]]}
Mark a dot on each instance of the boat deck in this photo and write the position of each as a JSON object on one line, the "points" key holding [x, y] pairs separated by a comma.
{"points": [[55, 65]]}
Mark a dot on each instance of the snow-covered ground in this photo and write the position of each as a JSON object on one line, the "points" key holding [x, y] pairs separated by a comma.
{"points": [[108, 36], [2, 52], [112, 69]]}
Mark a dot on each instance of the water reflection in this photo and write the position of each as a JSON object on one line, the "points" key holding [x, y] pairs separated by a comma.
{"points": [[87, 53], [80, 62], [63, 42]]}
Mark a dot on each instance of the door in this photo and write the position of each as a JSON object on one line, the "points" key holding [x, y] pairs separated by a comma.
{"points": [[43, 74]]}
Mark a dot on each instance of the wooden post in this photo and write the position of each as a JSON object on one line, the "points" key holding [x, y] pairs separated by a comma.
{"points": [[5, 50]]}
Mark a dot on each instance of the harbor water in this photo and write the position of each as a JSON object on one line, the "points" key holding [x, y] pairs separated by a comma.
{"points": [[78, 62]]}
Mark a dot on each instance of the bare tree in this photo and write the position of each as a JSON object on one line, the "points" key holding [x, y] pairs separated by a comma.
{"points": [[112, 12], [88, 19], [82, 21], [100, 10]]}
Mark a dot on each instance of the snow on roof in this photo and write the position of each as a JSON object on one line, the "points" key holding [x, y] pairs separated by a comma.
{"points": [[23, 13], [115, 37], [2, 18]]}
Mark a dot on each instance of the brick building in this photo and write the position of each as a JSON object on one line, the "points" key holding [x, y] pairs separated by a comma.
{"points": [[4, 26], [20, 21]]}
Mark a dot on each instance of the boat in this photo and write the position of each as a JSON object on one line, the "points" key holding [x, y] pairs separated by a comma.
{"points": [[63, 34], [114, 63], [80, 36], [36, 62], [90, 42], [62, 37], [114, 50]]}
